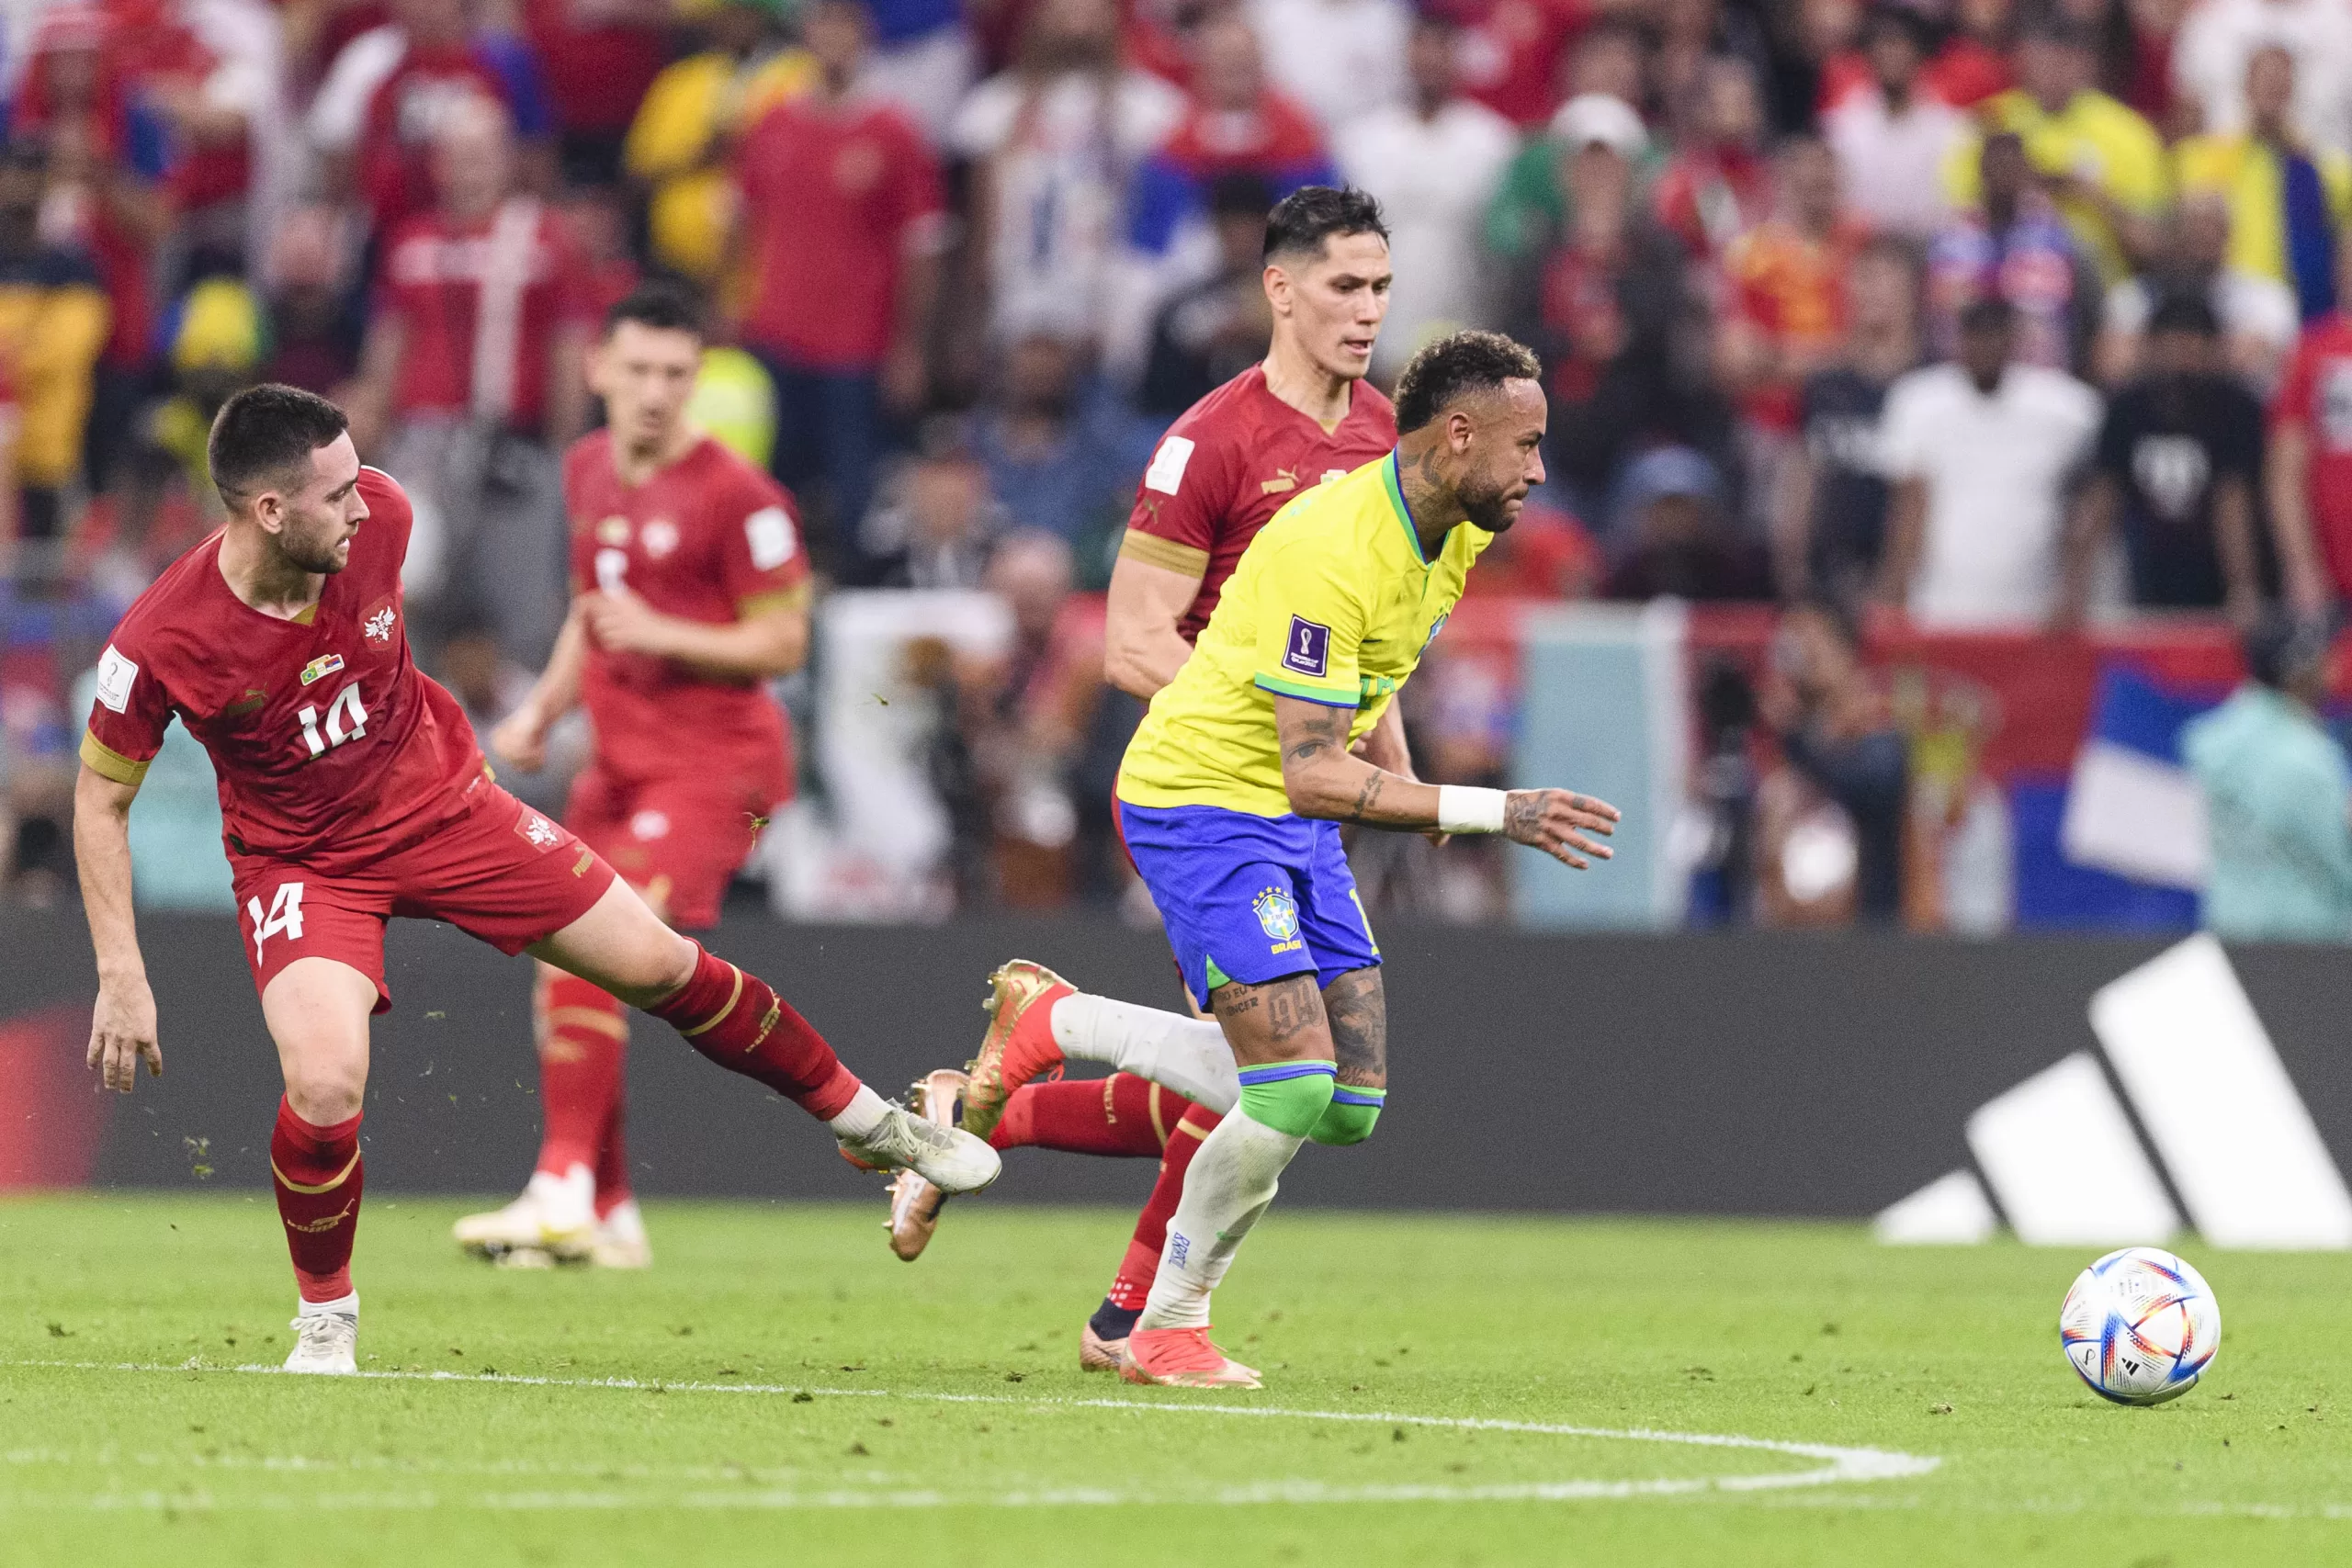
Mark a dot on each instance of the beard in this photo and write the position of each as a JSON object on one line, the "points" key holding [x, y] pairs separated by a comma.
{"points": [[307, 553], [1490, 508]]}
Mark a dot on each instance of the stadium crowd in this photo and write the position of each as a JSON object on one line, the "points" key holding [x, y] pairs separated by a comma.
{"points": [[1989, 313]]}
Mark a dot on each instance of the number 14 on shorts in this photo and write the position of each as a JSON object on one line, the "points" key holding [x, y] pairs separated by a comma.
{"points": [[284, 918]]}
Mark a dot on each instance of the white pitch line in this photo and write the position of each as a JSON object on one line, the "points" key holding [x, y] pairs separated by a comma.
{"points": [[1839, 1464]]}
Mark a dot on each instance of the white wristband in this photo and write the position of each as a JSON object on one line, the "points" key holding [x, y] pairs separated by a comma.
{"points": [[1462, 809]]}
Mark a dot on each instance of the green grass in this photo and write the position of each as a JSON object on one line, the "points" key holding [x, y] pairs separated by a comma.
{"points": [[932, 1391]]}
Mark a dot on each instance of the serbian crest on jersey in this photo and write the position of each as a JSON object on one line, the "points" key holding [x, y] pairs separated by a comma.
{"points": [[1277, 914], [377, 625], [540, 832], [661, 536]]}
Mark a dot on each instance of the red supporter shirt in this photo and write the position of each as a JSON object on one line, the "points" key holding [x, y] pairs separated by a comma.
{"points": [[1510, 50], [709, 538], [407, 108], [435, 271], [2316, 394], [1790, 287], [1227, 465], [331, 747], [835, 197]]}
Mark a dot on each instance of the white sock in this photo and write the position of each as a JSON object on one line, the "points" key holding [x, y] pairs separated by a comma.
{"points": [[1187, 1055], [347, 1306], [861, 1116], [1233, 1178]]}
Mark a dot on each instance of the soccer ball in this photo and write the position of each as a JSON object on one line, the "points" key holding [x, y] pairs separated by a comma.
{"points": [[2140, 1326]]}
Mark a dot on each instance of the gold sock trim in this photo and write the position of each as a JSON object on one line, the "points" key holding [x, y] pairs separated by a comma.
{"points": [[593, 1019], [339, 1179], [1190, 1131], [1158, 1123], [720, 1016]]}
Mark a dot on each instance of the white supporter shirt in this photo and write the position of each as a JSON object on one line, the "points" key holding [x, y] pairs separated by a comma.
{"points": [[1337, 58], [1892, 164], [2210, 51], [1434, 179], [1997, 470]]}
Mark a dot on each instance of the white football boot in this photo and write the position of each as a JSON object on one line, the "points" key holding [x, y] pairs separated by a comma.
{"points": [[326, 1337], [948, 1157], [620, 1240], [556, 1216]]}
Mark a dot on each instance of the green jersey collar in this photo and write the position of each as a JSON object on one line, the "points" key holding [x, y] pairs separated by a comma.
{"points": [[1393, 485]]}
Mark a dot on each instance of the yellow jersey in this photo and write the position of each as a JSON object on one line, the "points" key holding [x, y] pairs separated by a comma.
{"points": [[2095, 138], [1332, 603]]}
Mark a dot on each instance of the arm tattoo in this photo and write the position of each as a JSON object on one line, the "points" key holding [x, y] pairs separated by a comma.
{"points": [[1367, 797]]}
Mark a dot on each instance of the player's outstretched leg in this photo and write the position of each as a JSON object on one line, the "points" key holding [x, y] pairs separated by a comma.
{"points": [[1037, 1020], [317, 1010], [737, 1021], [914, 1203], [1103, 1343], [582, 1033]]}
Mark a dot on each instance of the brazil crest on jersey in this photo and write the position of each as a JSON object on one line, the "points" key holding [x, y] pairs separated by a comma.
{"points": [[1333, 603]]}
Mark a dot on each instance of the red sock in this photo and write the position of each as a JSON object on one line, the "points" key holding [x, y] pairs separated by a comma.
{"points": [[1142, 1261], [319, 1179], [583, 1033], [612, 1162], [1122, 1114], [736, 1021]]}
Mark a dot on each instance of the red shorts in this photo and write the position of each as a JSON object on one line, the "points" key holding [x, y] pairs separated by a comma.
{"points": [[500, 871], [678, 841]]}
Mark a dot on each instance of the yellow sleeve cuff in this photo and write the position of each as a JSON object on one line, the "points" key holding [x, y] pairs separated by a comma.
{"points": [[1166, 554], [758, 604], [106, 763]]}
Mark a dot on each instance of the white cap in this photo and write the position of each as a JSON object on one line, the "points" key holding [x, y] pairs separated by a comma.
{"points": [[1604, 119]]}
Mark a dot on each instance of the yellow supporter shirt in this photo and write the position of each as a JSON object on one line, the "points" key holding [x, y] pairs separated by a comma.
{"points": [[694, 103], [2095, 138], [1332, 603], [2247, 173]]}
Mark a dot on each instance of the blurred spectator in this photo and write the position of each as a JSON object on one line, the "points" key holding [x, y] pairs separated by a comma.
{"points": [[378, 112], [1338, 59], [734, 399], [1973, 63], [922, 61], [165, 500], [2256, 314], [2013, 247], [1509, 49], [1832, 509], [488, 686], [1695, 36], [53, 321], [2103, 164], [1676, 536], [1982, 453], [1785, 317], [1055, 142], [680, 142], [312, 342], [1546, 555], [841, 230], [215, 108], [1829, 827], [471, 382], [1611, 311], [594, 217], [935, 521], [1053, 455], [1212, 331], [1433, 165], [1717, 184], [599, 57], [2278, 794], [1890, 135], [2308, 470], [1530, 214], [2177, 465], [2288, 201], [2220, 38]]}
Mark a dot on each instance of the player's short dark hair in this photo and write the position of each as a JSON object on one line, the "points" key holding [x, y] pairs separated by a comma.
{"points": [[264, 432], [1888, 20], [1302, 220], [1463, 365], [660, 303], [2181, 311]]}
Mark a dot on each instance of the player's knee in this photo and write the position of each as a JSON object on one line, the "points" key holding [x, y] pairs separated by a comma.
{"points": [[1351, 1116], [1289, 1097], [325, 1093], [664, 973]]}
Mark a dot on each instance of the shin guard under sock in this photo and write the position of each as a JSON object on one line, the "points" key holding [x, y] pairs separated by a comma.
{"points": [[319, 1179], [1133, 1283], [738, 1023], [1120, 1115], [583, 1035]]}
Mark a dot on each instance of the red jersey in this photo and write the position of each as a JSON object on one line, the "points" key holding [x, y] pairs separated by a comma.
{"points": [[332, 749], [709, 538], [834, 199], [1790, 287], [481, 302], [1227, 465], [2316, 394]]}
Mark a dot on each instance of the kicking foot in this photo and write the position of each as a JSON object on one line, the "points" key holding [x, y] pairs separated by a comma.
{"points": [[948, 1157], [556, 1214], [326, 1341], [1019, 1044], [914, 1203], [1096, 1354], [620, 1240], [1182, 1357]]}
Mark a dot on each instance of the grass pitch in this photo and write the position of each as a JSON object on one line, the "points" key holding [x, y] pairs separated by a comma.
{"points": [[779, 1389]]}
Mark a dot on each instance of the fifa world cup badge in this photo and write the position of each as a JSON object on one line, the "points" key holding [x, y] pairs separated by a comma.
{"points": [[1277, 914]]}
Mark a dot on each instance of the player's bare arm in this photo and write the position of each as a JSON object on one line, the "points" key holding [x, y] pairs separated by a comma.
{"points": [[521, 737], [1142, 649], [122, 1028], [773, 642]]}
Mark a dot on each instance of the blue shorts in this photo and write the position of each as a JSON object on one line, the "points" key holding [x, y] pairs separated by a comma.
{"points": [[1249, 899]]}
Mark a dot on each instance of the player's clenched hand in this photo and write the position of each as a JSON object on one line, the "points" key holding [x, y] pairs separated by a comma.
{"points": [[623, 622], [521, 737], [122, 1030], [1558, 821]]}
